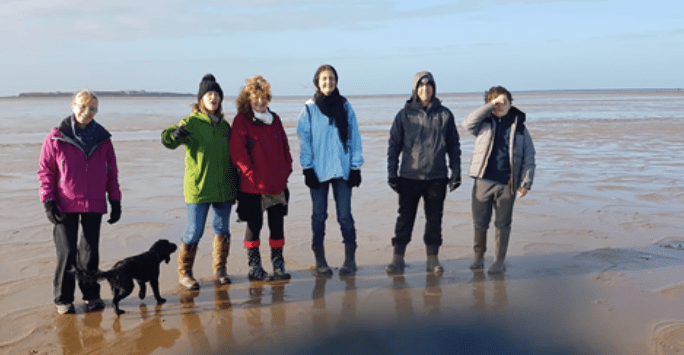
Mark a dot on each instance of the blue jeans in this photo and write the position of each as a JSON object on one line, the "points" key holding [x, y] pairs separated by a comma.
{"points": [[197, 217], [319, 200]]}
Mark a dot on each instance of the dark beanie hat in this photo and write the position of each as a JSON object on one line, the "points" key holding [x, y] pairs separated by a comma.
{"points": [[207, 84]]}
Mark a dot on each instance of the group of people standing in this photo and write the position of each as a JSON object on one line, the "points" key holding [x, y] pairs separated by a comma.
{"points": [[250, 163]]}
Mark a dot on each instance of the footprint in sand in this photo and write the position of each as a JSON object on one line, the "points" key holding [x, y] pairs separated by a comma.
{"points": [[619, 256], [667, 338], [671, 243]]}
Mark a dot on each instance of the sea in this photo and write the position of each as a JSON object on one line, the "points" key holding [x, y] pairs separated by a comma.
{"points": [[26, 120]]}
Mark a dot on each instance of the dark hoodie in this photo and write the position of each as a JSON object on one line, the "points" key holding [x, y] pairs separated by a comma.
{"points": [[423, 137]]}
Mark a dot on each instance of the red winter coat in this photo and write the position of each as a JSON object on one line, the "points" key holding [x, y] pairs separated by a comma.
{"points": [[77, 181], [261, 153]]}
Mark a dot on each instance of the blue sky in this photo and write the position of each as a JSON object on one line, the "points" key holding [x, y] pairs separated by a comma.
{"points": [[376, 46]]}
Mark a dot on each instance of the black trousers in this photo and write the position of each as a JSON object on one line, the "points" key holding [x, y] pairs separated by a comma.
{"points": [[433, 193], [249, 210], [85, 256]]}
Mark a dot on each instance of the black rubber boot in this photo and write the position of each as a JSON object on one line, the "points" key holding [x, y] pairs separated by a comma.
{"points": [[278, 265], [349, 266], [397, 265], [433, 264], [322, 269], [256, 272], [479, 246]]}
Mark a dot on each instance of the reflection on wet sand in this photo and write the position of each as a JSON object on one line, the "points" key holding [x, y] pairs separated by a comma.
{"points": [[235, 318], [432, 296], [278, 307], [319, 315], [349, 300], [88, 335], [224, 317], [479, 292], [192, 323]]}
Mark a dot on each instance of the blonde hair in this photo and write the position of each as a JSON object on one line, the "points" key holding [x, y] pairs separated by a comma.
{"points": [[199, 107], [257, 86], [83, 97]]}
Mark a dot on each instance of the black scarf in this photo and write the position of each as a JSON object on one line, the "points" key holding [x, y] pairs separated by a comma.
{"points": [[333, 107]]}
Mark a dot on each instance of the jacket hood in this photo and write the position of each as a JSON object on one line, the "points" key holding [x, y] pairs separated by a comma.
{"points": [[101, 134], [515, 112], [416, 80]]}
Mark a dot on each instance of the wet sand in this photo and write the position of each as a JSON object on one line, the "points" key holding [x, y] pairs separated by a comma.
{"points": [[595, 262]]}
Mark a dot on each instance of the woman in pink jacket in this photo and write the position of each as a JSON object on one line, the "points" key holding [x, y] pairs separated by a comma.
{"points": [[77, 175]]}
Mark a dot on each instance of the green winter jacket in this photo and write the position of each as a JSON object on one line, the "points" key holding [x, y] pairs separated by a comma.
{"points": [[209, 174]]}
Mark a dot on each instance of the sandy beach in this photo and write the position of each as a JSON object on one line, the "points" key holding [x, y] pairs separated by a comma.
{"points": [[595, 264]]}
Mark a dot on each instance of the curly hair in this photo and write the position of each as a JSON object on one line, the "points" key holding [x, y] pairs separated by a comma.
{"points": [[495, 91], [257, 86]]}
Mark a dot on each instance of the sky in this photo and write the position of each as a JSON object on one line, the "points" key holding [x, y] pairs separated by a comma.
{"points": [[375, 45]]}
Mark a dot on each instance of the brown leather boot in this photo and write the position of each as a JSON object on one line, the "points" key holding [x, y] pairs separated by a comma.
{"points": [[186, 258], [220, 254]]}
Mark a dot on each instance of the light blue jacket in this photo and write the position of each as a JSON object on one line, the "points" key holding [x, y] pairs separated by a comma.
{"points": [[321, 147]]}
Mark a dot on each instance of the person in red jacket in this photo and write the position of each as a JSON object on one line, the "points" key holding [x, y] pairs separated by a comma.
{"points": [[260, 151], [77, 175]]}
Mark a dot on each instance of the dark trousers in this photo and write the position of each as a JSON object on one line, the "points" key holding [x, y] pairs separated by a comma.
{"points": [[487, 197], [84, 256], [249, 209], [433, 193]]}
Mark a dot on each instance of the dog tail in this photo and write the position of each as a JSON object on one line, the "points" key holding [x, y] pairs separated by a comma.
{"points": [[92, 275]]}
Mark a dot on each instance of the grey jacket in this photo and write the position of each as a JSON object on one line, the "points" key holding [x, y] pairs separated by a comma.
{"points": [[423, 137], [522, 162]]}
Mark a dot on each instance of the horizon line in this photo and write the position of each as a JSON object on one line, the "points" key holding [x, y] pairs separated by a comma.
{"points": [[144, 93]]}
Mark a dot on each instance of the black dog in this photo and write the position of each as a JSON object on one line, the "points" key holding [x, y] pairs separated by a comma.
{"points": [[143, 268]]}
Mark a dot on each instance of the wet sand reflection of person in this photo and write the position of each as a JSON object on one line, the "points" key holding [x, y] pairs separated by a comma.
{"points": [[152, 335], [224, 318], [349, 299], [278, 312], [319, 315], [479, 286], [253, 310], [192, 323], [403, 303], [67, 332], [432, 295]]}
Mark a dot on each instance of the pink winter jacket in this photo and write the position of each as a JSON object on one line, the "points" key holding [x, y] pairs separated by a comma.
{"points": [[76, 181]]}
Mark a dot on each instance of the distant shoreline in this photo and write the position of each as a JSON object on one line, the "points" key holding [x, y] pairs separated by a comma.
{"points": [[143, 93], [122, 93]]}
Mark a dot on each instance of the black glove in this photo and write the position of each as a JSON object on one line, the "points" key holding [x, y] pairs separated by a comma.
{"points": [[180, 132], [354, 178], [310, 178], [393, 183], [53, 214], [115, 214], [454, 183]]}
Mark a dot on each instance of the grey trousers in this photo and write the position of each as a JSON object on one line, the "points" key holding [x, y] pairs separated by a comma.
{"points": [[73, 252], [488, 196]]}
